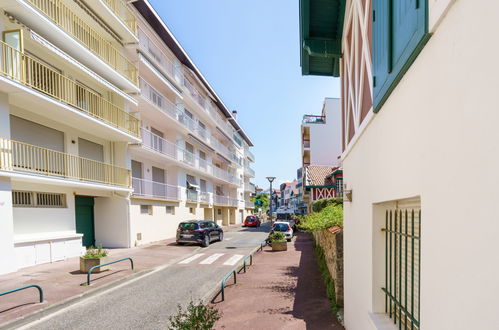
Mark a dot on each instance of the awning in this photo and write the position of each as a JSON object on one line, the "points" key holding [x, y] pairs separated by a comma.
{"points": [[321, 30], [200, 143], [192, 186]]}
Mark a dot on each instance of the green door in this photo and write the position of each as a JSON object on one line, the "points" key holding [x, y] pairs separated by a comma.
{"points": [[84, 208]]}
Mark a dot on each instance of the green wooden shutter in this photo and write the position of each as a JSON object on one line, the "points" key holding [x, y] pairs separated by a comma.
{"points": [[381, 45], [400, 30]]}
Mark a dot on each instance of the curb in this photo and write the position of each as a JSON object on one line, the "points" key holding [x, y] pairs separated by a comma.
{"points": [[57, 306]]}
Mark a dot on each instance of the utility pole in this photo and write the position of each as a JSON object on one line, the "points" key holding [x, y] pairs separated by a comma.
{"points": [[270, 178]]}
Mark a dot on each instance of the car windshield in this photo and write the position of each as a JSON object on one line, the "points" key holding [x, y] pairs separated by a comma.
{"points": [[281, 227], [188, 226], [250, 218]]}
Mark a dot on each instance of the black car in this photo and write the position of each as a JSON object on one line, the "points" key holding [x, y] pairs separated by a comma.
{"points": [[199, 231]]}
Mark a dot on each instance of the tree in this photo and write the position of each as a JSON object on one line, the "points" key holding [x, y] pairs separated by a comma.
{"points": [[262, 200]]}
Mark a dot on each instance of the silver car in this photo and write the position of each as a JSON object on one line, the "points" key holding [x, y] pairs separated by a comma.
{"points": [[283, 227]]}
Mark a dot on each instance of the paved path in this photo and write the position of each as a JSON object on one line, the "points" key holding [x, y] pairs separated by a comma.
{"points": [[147, 302], [282, 290]]}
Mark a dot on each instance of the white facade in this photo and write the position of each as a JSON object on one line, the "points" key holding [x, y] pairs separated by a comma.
{"points": [[75, 122], [433, 146]]}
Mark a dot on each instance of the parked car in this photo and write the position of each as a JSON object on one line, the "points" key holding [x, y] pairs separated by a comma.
{"points": [[291, 222], [283, 227], [199, 231], [252, 221]]}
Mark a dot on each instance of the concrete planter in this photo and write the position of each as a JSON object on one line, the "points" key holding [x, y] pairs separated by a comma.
{"points": [[87, 263], [280, 246]]}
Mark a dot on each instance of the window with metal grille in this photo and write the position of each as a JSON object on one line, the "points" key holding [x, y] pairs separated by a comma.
{"points": [[38, 199], [402, 234], [170, 210]]}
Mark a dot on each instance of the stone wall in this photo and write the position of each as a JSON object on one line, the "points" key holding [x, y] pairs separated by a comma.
{"points": [[331, 242]]}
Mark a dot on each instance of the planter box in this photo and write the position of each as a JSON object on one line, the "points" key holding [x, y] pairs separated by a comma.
{"points": [[87, 263], [280, 246]]}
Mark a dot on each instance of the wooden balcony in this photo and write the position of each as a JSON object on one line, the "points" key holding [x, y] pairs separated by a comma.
{"points": [[21, 157], [31, 72]]}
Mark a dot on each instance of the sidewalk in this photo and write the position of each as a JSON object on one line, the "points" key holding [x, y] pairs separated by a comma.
{"points": [[282, 290], [62, 279]]}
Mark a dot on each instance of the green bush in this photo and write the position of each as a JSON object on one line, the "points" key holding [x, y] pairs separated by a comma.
{"points": [[330, 216], [277, 237], [321, 204], [194, 317], [326, 276], [93, 252]]}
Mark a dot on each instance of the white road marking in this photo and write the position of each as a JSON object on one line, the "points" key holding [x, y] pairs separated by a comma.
{"points": [[229, 238], [194, 257], [233, 260], [211, 258]]}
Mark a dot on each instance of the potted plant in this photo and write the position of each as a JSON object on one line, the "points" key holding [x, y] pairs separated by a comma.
{"points": [[278, 241], [93, 257]]}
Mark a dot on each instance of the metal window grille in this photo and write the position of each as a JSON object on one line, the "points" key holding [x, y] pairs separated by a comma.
{"points": [[38, 199], [402, 267]]}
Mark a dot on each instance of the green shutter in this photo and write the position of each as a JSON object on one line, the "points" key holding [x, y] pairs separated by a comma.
{"points": [[400, 29]]}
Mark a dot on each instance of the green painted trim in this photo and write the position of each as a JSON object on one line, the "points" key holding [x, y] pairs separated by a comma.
{"points": [[336, 172], [378, 103]]}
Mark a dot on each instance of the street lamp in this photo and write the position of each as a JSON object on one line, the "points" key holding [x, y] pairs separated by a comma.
{"points": [[270, 178]]}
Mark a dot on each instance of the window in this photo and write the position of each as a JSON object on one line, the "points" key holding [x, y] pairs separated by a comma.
{"points": [[170, 210], [191, 210], [219, 211], [38, 199], [400, 30], [146, 209], [402, 234], [202, 184]]}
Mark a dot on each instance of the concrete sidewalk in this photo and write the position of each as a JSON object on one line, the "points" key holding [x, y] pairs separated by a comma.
{"points": [[62, 280], [282, 290]]}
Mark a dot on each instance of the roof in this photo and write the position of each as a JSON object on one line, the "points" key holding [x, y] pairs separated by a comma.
{"points": [[318, 175], [321, 29], [155, 21]]}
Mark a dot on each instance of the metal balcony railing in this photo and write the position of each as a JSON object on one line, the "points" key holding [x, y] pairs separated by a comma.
{"points": [[224, 201], [163, 146], [249, 204], [31, 72], [192, 195], [22, 157], [249, 154], [62, 16], [158, 190], [249, 171], [313, 119], [204, 197], [119, 8]]}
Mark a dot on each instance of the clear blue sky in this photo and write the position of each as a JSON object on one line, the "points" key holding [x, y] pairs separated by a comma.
{"points": [[249, 51]]}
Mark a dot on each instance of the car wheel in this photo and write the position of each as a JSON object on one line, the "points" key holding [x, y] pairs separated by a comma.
{"points": [[221, 236], [206, 241], [180, 243]]}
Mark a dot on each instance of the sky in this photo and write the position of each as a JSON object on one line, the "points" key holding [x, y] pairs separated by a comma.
{"points": [[249, 51]]}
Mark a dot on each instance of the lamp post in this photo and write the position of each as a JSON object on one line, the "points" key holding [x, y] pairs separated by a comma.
{"points": [[270, 178]]}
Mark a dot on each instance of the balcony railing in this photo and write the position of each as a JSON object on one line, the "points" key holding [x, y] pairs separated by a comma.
{"points": [[161, 59], [22, 157], [35, 74], [204, 197], [224, 200], [157, 190], [192, 195], [313, 119], [62, 16], [163, 146], [249, 204], [125, 15], [249, 154], [249, 171]]}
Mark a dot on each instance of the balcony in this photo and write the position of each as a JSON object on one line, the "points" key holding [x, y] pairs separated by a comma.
{"points": [[248, 171], [249, 154], [221, 200], [313, 119], [155, 190], [192, 196], [25, 158], [119, 8], [204, 197], [249, 205], [249, 187], [172, 151], [74, 26], [31, 72]]}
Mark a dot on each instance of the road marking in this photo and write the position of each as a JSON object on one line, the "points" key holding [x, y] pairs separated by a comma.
{"points": [[194, 257], [233, 260], [211, 258], [229, 238]]}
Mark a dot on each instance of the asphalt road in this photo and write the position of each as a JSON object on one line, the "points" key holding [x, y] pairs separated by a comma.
{"points": [[148, 301]]}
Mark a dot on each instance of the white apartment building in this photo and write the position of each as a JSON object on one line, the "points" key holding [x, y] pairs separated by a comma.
{"points": [[320, 140], [76, 120], [193, 161]]}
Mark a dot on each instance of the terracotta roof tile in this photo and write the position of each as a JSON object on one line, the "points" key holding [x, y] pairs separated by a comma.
{"points": [[318, 175]]}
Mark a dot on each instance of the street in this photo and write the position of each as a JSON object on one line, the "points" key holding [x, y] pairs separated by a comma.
{"points": [[148, 301]]}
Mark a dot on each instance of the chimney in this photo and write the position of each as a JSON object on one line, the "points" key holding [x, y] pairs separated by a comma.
{"points": [[234, 114]]}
